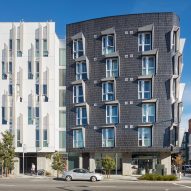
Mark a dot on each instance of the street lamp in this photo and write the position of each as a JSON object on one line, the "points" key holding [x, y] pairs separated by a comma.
{"points": [[24, 148]]}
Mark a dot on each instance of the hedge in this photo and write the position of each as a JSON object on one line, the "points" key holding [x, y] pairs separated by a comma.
{"points": [[158, 177]]}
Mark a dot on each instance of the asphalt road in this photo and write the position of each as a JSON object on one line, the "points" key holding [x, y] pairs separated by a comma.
{"points": [[34, 184]]}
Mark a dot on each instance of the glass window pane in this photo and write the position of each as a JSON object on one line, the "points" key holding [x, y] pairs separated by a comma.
{"points": [[62, 139], [62, 57], [62, 119], [62, 95], [62, 77]]}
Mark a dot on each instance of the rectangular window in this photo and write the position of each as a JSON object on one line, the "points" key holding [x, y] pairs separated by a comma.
{"points": [[19, 52], [81, 116], [10, 68], [81, 71], [62, 98], [4, 119], [30, 115], [62, 139], [111, 114], [108, 91], [10, 89], [45, 89], [144, 137], [4, 75], [174, 88], [144, 89], [108, 44], [10, 115], [108, 137], [62, 57], [45, 48], [78, 49], [45, 138], [10, 44], [174, 41], [37, 47], [37, 71], [62, 119], [37, 89], [144, 41], [78, 96], [148, 113], [37, 138], [78, 141], [19, 138], [148, 65], [30, 75], [62, 77], [112, 67]]}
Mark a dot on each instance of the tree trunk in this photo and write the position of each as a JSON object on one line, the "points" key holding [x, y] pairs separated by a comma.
{"points": [[2, 168]]}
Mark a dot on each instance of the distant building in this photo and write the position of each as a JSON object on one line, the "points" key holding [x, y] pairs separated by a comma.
{"points": [[184, 149]]}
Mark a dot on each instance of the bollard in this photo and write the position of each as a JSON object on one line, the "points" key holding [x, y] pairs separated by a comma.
{"points": [[180, 175]]}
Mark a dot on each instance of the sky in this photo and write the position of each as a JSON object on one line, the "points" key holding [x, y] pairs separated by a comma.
{"points": [[67, 11]]}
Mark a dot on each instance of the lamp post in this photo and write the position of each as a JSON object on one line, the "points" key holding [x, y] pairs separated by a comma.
{"points": [[24, 148]]}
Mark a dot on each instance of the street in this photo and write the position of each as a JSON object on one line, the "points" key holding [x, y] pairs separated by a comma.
{"points": [[33, 184]]}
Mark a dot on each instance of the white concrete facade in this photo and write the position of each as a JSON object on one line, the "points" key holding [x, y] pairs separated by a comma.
{"points": [[29, 83]]}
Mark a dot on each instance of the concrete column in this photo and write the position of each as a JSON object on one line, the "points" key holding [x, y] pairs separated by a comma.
{"points": [[41, 162], [126, 164], [80, 161], [16, 166], [92, 165], [166, 161]]}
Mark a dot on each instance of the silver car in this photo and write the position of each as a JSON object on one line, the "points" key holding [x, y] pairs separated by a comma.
{"points": [[81, 174]]}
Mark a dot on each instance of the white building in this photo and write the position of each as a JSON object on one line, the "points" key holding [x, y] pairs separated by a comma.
{"points": [[29, 89]]}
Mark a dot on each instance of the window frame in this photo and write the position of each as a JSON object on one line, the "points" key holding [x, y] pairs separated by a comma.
{"points": [[143, 132], [110, 116], [107, 139], [106, 46], [106, 93], [142, 91], [110, 69], [76, 48], [79, 71], [80, 118], [76, 95], [147, 68], [76, 140], [146, 113], [142, 44]]}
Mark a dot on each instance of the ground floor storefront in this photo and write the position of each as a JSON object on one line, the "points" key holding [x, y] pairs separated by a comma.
{"points": [[127, 163], [42, 161]]}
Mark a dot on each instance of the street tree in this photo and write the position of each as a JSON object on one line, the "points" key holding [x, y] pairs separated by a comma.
{"points": [[58, 163], [179, 161], [108, 164]]}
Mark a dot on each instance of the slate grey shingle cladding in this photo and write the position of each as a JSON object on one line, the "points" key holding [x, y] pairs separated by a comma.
{"points": [[130, 114]]}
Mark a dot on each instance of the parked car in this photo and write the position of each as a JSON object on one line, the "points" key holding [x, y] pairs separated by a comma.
{"points": [[81, 174], [186, 168]]}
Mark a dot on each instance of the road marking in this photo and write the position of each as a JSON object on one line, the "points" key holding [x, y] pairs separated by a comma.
{"points": [[181, 185], [102, 186]]}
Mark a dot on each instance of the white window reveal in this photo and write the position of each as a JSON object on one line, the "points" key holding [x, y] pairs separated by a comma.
{"points": [[112, 67], [78, 48], [144, 41], [108, 44]]}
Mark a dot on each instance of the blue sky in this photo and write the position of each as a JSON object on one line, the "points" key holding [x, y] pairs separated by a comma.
{"points": [[67, 11]]}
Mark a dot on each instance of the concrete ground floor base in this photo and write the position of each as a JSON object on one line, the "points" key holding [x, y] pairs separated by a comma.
{"points": [[127, 163], [40, 160]]}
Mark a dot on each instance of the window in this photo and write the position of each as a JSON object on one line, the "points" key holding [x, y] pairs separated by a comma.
{"points": [[30, 75], [81, 116], [62, 77], [174, 88], [10, 68], [62, 98], [144, 137], [62, 119], [174, 41], [19, 138], [111, 114], [148, 113], [19, 52], [78, 141], [144, 41], [108, 91], [81, 71], [62, 57], [37, 47], [37, 71], [144, 89], [108, 44], [148, 65], [30, 116], [37, 89], [78, 49], [10, 115], [4, 75], [108, 137], [45, 48], [37, 138], [45, 89], [10, 90], [45, 138], [37, 112], [78, 94], [62, 139], [10, 44], [112, 67], [4, 120]]}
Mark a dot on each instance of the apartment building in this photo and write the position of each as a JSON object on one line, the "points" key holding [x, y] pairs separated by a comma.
{"points": [[31, 58], [124, 96]]}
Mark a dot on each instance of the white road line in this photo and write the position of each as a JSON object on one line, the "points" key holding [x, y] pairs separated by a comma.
{"points": [[182, 185], [102, 186]]}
